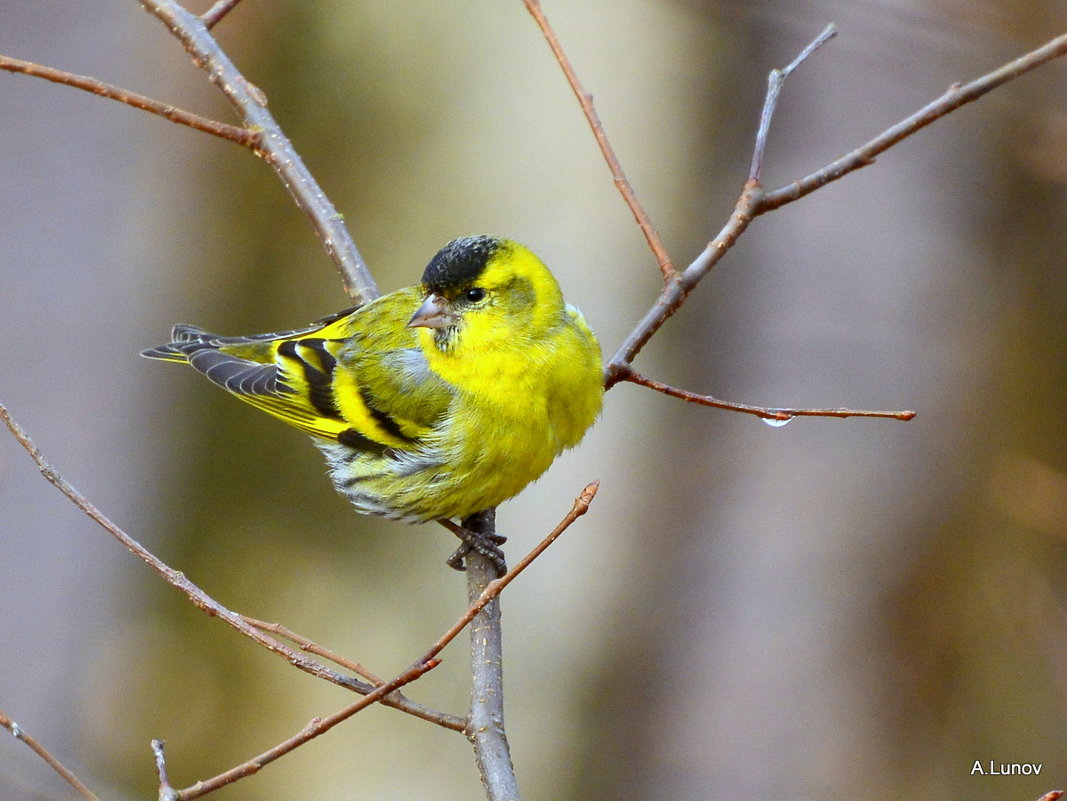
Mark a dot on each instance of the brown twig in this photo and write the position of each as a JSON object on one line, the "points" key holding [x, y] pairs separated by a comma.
{"points": [[19, 734], [213, 16], [753, 201], [478, 732], [496, 586], [201, 599], [314, 728], [771, 415], [261, 133], [453, 722], [666, 266], [241, 136]]}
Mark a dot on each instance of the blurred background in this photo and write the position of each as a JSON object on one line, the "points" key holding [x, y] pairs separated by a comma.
{"points": [[833, 609]]}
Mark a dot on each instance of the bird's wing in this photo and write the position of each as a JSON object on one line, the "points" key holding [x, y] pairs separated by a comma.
{"points": [[354, 377]]}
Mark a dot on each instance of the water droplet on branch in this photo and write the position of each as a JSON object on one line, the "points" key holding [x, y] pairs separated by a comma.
{"points": [[775, 422]]}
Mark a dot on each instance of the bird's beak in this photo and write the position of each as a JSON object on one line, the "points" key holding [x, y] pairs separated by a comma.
{"points": [[433, 313]]}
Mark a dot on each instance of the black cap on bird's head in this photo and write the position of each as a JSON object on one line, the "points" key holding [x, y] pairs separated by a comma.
{"points": [[459, 263], [455, 269]]}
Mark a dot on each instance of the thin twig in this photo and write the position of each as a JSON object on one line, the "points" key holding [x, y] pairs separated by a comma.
{"points": [[453, 722], [19, 734], [314, 728], [314, 648], [775, 415], [426, 662], [241, 136], [495, 587], [272, 145], [775, 81], [956, 96], [753, 201], [213, 16], [199, 598], [666, 266]]}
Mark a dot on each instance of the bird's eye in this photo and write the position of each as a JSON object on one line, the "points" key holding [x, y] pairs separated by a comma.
{"points": [[474, 295]]}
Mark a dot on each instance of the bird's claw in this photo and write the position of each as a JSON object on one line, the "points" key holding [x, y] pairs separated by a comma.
{"points": [[488, 545]]}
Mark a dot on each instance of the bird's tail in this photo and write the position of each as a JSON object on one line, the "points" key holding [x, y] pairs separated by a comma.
{"points": [[185, 339]]}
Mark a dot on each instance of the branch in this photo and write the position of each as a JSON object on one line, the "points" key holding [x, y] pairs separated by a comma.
{"points": [[775, 416], [313, 729], [753, 201], [241, 136], [261, 133], [251, 105], [496, 586], [481, 728], [442, 719], [485, 726], [18, 733], [666, 266], [199, 598], [775, 82], [956, 96]]}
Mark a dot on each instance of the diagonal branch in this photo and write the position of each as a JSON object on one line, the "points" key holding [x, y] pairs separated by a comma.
{"points": [[666, 266], [273, 146], [481, 727], [18, 733], [956, 96], [201, 599], [753, 201], [485, 726], [316, 727], [241, 136]]}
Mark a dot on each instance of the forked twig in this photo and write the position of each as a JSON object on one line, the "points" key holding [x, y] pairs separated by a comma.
{"points": [[496, 586], [754, 201], [261, 132], [19, 734], [429, 660], [453, 722], [314, 728], [200, 598], [775, 81]]}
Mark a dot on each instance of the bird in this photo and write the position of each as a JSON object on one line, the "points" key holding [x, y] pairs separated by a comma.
{"points": [[433, 402]]}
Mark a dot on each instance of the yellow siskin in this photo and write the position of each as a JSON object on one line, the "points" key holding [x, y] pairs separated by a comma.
{"points": [[435, 401]]}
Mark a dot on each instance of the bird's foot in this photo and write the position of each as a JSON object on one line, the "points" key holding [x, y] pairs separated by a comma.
{"points": [[488, 545]]}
